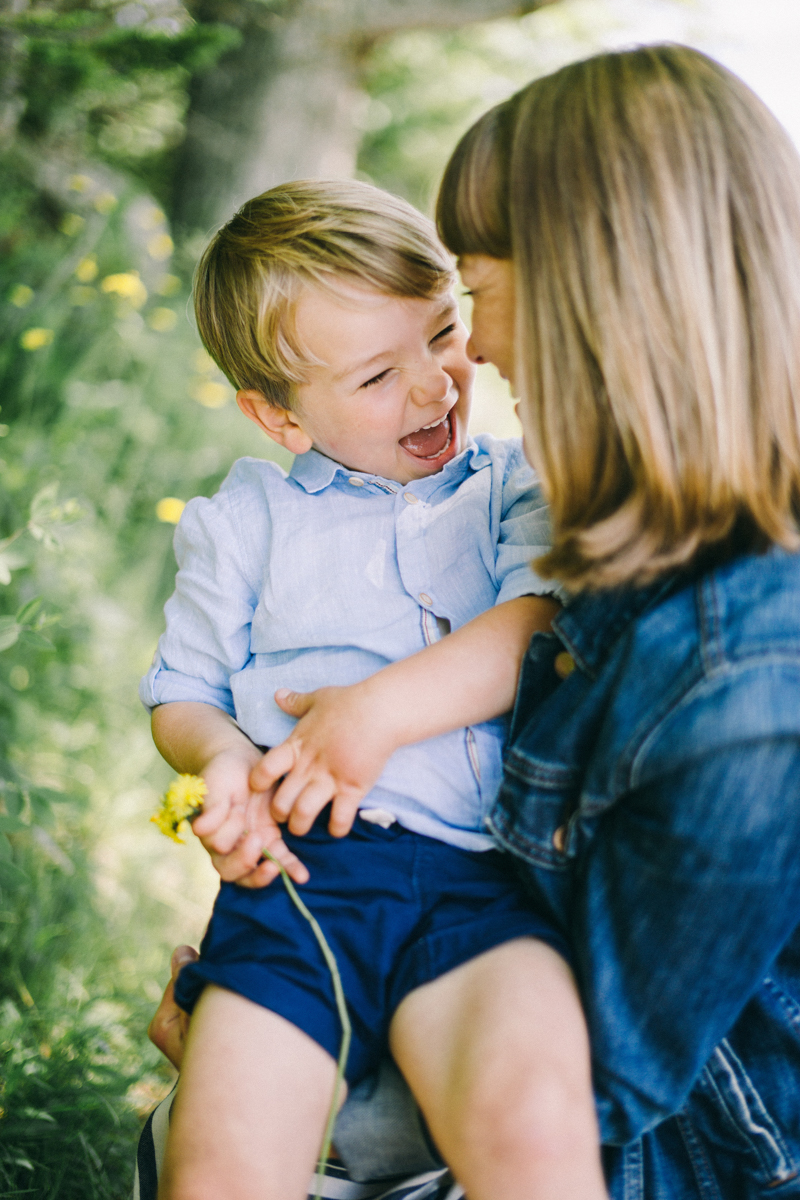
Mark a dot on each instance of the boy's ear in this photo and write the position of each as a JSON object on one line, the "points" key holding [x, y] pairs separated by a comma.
{"points": [[281, 424]]}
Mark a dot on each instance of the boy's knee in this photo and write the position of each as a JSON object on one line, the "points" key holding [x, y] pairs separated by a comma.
{"points": [[543, 1117]]}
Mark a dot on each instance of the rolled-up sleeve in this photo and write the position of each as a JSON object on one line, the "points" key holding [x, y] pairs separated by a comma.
{"points": [[524, 533], [208, 616]]}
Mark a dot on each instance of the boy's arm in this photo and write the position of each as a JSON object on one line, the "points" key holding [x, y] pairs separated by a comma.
{"points": [[236, 824], [345, 736]]}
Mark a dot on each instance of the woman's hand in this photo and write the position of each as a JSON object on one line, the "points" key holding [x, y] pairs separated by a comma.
{"points": [[336, 752], [170, 1024]]}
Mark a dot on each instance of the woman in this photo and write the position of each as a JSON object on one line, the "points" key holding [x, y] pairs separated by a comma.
{"points": [[641, 212], [630, 229]]}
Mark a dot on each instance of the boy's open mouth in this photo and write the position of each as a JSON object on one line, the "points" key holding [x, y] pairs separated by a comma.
{"points": [[431, 441]]}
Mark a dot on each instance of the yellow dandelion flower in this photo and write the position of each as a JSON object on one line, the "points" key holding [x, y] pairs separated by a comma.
{"points": [[162, 319], [71, 224], [86, 269], [209, 393], [182, 801], [35, 339], [169, 510], [105, 203], [128, 285], [21, 295], [79, 183], [160, 246]]}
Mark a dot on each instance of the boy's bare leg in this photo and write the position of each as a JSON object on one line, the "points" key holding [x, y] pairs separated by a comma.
{"points": [[496, 1053], [249, 1116]]}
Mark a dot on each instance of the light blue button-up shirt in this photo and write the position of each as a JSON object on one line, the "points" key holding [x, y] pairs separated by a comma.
{"points": [[326, 575]]}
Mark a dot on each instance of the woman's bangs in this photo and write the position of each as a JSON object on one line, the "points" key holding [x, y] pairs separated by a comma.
{"points": [[472, 214]]}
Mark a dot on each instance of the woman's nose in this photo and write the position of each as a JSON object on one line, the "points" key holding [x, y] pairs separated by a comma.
{"points": [[472, 352]]}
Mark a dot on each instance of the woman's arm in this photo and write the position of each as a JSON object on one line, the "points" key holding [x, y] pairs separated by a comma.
{"points": [[345, 735]]}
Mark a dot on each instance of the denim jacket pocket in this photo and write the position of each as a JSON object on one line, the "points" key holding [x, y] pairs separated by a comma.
{"points": [[746, 1124], [532, 815]]}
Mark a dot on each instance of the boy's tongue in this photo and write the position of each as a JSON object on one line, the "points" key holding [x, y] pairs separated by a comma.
{"points": [[425, 443]]}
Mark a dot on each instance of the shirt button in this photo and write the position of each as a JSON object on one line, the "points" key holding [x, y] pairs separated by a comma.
{"points": [[425, 598], [356, 482], [410, 498], [564, 664], [559, 838]]}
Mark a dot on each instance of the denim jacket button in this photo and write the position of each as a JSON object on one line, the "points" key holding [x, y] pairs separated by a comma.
{"points": [[564, 664], [559, 838]]}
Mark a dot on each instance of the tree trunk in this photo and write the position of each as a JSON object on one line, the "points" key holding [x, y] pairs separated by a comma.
{"points": [[281, 105]]}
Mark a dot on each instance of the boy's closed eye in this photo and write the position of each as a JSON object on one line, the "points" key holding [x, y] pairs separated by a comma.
{"points": [[443, 333]]}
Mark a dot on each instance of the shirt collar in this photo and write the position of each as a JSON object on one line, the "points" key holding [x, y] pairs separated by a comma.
{"points": [[314, 471]]}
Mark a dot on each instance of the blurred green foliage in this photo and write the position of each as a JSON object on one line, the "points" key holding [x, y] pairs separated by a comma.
{"points": [[112, 416]]}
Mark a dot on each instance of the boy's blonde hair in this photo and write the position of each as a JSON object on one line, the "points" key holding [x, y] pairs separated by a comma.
{"points": [[651, 205], [308, 232]]}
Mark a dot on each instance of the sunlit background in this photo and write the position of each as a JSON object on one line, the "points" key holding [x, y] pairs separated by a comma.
{"points": [[121, 144]]}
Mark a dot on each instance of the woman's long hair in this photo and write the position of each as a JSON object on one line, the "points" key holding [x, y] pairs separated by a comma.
{"points": [[651, 205]]}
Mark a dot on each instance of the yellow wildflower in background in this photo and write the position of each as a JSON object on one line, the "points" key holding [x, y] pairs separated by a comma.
{"points": [[79, 183], [21, 295], [128, 285], [86, 269], [160, 246], [209, 393], [35, 339], [168, 285], [169, 510], [79, 297], [71, 223], [162, 320], [105, 203], [182, 800], [150, 217]]}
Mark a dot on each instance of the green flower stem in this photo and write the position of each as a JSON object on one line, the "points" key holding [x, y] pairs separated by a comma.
{"points": [[341, 1005]]}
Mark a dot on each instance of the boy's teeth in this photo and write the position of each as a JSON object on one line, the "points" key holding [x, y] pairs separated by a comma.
{"points": [[430, 440]]}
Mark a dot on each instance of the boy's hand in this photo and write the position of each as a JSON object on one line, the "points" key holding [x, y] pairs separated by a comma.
{"points": [[335, 753], [236, 824]]}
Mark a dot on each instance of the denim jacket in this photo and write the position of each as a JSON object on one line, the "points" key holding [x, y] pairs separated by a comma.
{"points": [[652, 800]]}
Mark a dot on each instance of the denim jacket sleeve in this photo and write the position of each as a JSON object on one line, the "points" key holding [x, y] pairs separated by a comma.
{"points": [[654, 800]]}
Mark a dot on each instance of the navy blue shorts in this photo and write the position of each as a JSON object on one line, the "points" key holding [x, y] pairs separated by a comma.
{"points": [[398, 909]]}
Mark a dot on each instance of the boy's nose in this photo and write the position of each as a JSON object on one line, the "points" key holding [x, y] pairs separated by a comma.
{"points": [[430, 387]]}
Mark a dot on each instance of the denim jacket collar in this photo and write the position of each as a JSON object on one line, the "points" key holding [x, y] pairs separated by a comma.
{"points": [[590, 624]]}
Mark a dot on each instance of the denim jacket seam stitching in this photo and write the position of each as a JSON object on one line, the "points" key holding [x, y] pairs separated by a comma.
{"points": [[631, 760], [770, 1131], [697, 1158], [710, 623]]}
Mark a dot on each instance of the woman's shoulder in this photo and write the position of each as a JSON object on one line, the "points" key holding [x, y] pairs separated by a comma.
{"points": [[717, 663]]}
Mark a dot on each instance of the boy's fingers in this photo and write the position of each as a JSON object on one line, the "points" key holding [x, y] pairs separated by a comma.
{"points": [[296, 704], [207, 822], [286, 796], [275, 763], [309, 804], [343, 813]]}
